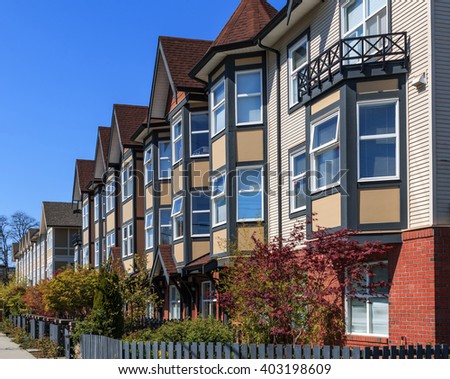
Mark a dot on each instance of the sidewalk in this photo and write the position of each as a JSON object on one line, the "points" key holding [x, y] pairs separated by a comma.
{"points": [[10, 350]]}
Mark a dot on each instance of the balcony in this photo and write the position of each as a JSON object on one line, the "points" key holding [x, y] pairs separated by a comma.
{"points": [[358, 54]]}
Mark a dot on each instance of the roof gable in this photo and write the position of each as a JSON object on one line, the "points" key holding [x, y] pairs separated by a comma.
{"points": [[60, 214], [101, 151], [129, 118]]}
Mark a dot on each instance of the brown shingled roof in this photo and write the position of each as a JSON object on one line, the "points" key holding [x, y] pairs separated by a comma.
{"points": [[60, 214], [85, 169], [181, 55], [129, 118], [167, 257], [104, 133], [246, 22]]}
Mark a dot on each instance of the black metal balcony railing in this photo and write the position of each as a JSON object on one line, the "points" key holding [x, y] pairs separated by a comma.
{"points": [[350, 53]]}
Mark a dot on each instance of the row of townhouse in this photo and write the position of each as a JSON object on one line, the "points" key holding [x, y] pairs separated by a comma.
{"points": [[332, 108], [44, 251]]}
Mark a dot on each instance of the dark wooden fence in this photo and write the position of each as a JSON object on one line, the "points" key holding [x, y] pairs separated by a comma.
{"points": [[99, 347]]}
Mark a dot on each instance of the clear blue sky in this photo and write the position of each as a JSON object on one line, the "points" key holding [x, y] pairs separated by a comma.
{"points": [[63, 63]]}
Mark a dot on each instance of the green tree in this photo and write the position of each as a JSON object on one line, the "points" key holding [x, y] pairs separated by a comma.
{"points": [[11, 298]]}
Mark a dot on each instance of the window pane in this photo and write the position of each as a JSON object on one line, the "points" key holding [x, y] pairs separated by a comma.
{"points": [[218, 185], [149, 220], [178, 225], [358, 323], [149, 172], [178, 150], [299, 193], [200, 223], [374, 6], [325, 132], [379, 315], [177, 204], [164, 150], [249, 180], [353, 15], [378, 158], [166, 235], [249, 205], [377, 119], [200, 202], [219, 119], [249, 83], [165, 217], [165, 167], [200, 144], [199, 122], [249, 109], [221, 210], [377, 24], [177, 130], [299, 163], [148, 155], [299, 56], [381, 275], [327, 165], [219, 93]]}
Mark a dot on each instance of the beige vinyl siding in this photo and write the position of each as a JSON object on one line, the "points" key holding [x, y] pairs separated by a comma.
{"points": [[324, 31], [441, 83], [413, 17]]}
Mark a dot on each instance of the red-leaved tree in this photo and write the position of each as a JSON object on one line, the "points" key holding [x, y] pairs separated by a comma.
{"points": [[292, 291]]}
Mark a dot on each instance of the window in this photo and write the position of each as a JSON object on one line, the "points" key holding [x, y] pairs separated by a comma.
{"points": [[208, 300], [50, 239], [325, 152], [219, 200], [298, 62], [369, 314], [250, 194], [177, 215], [249, 97], [199, 135], [149, 230], [148, 165], [175, 303], [96, 207], [127, 241], [127, 181], [200, 214], [86, 255], [165, 227], [97, 254], [218, 107], [177, 141], [85, 214], [378, 147], [110, 243], [298, 181], [110, 196], [103, 205], [165, 164]]}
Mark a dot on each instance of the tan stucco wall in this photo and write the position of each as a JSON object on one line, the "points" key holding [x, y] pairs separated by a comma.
{"points": [[245, 234], [127, 211], [166, 194], [200, 248], [327, 212], [220, 241], [148, 198], [250, 145], [218, 153], [377, 86], [178, 252], [128, 265], [200, 174], [110, 222], [379, 205], [325, 102], [149, 260], [177, 180], [248, 61]]}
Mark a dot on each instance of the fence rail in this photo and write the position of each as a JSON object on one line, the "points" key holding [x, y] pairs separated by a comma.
{"points": [[99, 347]]}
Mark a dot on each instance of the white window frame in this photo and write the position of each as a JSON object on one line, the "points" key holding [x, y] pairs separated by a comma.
{"points": [[176, 215], [96, 207], [97, 253], [208, 301], [148, 161], [161, 225], [294, 178], [215, 198], [127, 181], [238, 191], [50, 240], [395, 135], [194, 195], [215, 107], [149, 229], [110, 189], [85, 215], [348, 313], [174, 303], [127, 241], [177, 139], [85, 258], [163, 158], [110, 243], [103, 197], [247, 95], [196, 133], [314, 152], [293, 73]]}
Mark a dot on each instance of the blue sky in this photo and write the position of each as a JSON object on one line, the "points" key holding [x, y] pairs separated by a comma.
{"points": [[63, 64]]}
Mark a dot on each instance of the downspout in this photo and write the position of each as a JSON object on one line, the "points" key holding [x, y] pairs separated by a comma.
{"points": [[278, 126]]}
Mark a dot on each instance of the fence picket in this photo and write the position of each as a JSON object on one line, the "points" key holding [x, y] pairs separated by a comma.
{"points": [[437, 352], [326, 352], [227, 351], [261, 351], [316, 352], [394, 352], [336, 352], [385, 354], [186, 354], [279, 352], [444, 351], [179, 350], [270, 351], [202, 350], [288, 351], [253, 353], [155, 350], [356, 353], [307, 352], [126, 347], [194, 350], [210, 350], [402, 352], [219, 350], [346, 352], [235, 350], [411, 352], [428, 352], [244, 351], [298, 352], [420, 352], [376, 352], [171, 350], [148, 350]]}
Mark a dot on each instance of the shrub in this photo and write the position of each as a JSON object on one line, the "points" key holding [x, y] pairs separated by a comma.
{"points": [[11, 298], [48, 348]]}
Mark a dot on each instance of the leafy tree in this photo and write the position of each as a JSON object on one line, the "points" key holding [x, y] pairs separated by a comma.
{"points": [[11, 298], [4, 247], [291, 291], [34, 300]]}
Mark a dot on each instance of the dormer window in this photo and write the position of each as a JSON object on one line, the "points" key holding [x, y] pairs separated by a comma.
{"points": [[249, 97], [218, 108]]}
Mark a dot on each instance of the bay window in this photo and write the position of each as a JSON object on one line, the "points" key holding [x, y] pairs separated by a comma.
{"points": [[110, 188], [325, 152], [127, 181], [148, 166], [249, 97], [127, 241], [149, 230], [218, 107], [378, 132], [219, 200], [85, 214], [199, 135], [174, 303], [297, 62], [250, 194], [96, 207], [165, 227], [97, 254], [368, 314], [110, 243], [165, 161], [85, 255], [209, 300], [177, 141], [298, 180], [177, 216], [200, 214]]}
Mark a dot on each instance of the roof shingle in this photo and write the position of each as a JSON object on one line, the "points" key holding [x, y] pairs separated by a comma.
{"points": [[85, 169], [129, 119], [104, 133], [60, 214]]}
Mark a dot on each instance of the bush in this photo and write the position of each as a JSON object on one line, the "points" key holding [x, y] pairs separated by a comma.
{"points": [[11, 299], [48, 348], [22, 338]]}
